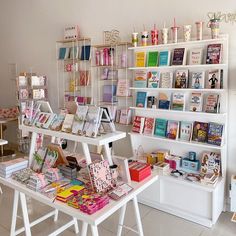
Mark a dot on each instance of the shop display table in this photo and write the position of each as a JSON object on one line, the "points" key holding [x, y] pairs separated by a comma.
{"points": [[21, 191]]}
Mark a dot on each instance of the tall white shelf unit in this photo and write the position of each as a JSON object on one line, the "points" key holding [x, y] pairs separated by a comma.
{"points": [[196, 202]]}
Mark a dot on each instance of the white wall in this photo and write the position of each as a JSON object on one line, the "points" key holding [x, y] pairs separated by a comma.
{"points": [[29, 30]]}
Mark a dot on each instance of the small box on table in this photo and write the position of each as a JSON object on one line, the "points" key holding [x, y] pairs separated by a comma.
{"points": [[139, 171]]}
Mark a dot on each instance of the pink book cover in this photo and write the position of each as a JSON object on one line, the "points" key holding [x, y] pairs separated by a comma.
{"points": [[148, 125]]}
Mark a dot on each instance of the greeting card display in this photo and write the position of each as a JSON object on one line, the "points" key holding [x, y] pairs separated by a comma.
{"points": [[79, 119]]}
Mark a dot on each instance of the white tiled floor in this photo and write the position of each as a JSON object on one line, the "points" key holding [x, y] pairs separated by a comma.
{"points": [[155, 223]]}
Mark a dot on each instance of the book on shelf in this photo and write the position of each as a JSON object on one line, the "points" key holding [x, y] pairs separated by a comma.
{"points": [[125, 116], [123, 86], [152, 60], [211, 163], [109, 92], [64, 53], [160, 127], [215, 133], [79, 119], [214, 79], [178, 57], [85, 52], [74, 52], [84, 77], [50, 119], [200, 130], [195, 56], [166, 80], [172, 130], [140, 79], [181, 79], [178, 101], [138, 124], [164, 101], [22, 81], [148, 126], [214, 53], [42, 118], [198, 80], [212, 103], [185, 130], [164, 58], [196, 101], [56, 124], [67, 124], [141, 99], [140, 59], [153, 79]]}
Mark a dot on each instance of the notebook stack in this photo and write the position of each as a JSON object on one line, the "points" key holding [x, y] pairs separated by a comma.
{"points": [[9, 167], [37, 182], [53, 174], [65, 195]]}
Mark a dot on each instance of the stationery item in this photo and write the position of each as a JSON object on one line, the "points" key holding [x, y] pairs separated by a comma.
{"points": [[181, 79], [199, 28], [151, 102], [153, 79], [68, 172], [178, 101], [56, 149], [63, 53], [214, 53], [84, 78], [164, 101], [22, 81], [38, 81], [161, 167], [71, 32], [57, 122], [123, 168], [23, 93], [50, 159], [179, 57], [164, 58], [38, 159], [79, 119], [214, 25], [68, 122], [187, 32], [85, 52], [135, 39], [195, 56], [200, 130], [212, 103], [141, 99], [144, 38], [164, 35], [65, 195], [138, 124], [37, 181], [211, 163], [196, 102], [198, 80], [41, 119], [140, 59], [38, 94], [49, 121], [125, 116], [23, 175], [213, 81], [172, 129], [166, 80], [161, 154], [100, 176], [140, 79], [160, 127], [139, 171], [74, 52], [215, 134], [123, 86], [109, 93], [120, 191], [185, 131], [93, 120], [148, 126], [152, 60]]}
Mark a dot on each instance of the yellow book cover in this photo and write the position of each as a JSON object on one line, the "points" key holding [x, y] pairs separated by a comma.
{"points": [[140, 58], [69, 192]]}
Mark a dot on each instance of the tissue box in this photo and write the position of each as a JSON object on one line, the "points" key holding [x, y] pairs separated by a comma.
{"points": [[190, 165]]}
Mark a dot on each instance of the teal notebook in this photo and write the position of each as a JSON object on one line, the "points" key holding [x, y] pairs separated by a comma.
{"points": [[164, 58], [160, 127], [152, 59]]}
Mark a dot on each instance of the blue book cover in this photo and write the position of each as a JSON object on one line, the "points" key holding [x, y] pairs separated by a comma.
{"points": [[85, 53], [141, 99], [164, 58], [62, 53], [164, 101], [215, 132], [160, 127]]}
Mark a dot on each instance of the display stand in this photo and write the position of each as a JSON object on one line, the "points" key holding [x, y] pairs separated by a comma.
{"points": [[193, 201]]}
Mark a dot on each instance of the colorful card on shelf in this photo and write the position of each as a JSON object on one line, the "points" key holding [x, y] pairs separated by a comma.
{"points": [[212, 103], [56, 124], [172, 129], [141, 99], [164, 58], [23, 94], [211, 163], [164, 101], [125, 116], [166, 80], [42, 118], [84, 77], [74, 52], [85, 52], [79, 119], [140, 59], [195, 56], [38, 94], [138, 124], [200, 130], [153, 79], [214, 53], [213, 81], [120, 191], [196, 102], [140, 79], [160, 127], [22, 81], [68, 122], [123, 86], [109, 93], [198, 80], [38, 159], [181, 79], [178, 101], [149, 126], [63, 53], [50, 159], [51, 118], [185, 131], [152, 59], [179, 57], [215, 133]]}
